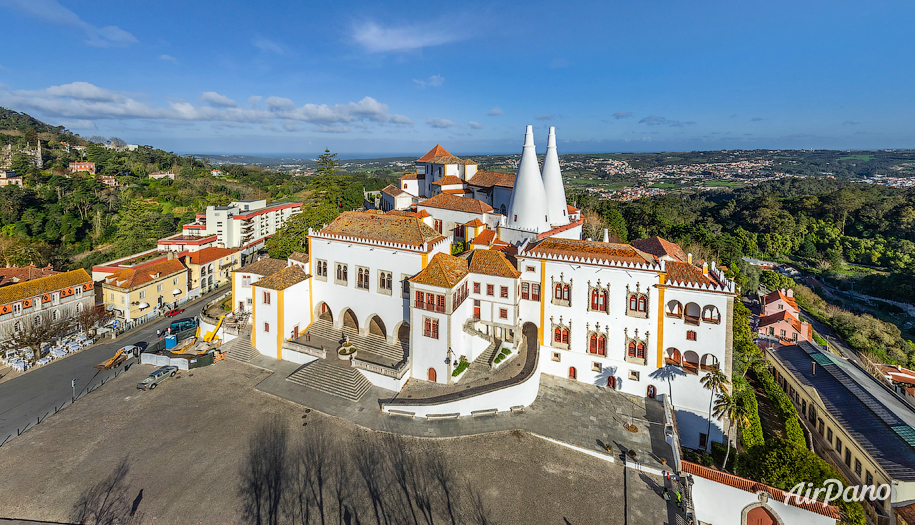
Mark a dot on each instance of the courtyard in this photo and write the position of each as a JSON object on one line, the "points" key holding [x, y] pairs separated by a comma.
{"points": [[202, 447]]}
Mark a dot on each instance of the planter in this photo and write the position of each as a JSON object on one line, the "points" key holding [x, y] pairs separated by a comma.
{"points": [[346, 352]]}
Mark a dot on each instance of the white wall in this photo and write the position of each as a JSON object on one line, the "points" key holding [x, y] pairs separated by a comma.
{"points": [[385, 382], [720, 504]]}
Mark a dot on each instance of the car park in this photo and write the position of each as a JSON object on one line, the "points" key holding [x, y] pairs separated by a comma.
{"points": [[157, 377]]}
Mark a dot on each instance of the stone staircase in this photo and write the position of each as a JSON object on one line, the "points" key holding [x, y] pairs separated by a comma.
{"points": [[370, 343], [481, 367], [334, 378], [240, 349]]}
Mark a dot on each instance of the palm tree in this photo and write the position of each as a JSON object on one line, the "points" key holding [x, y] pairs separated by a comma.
{"points": [[728, 407], [716, 381]]}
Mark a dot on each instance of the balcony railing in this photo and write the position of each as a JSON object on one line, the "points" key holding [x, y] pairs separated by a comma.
{"points": [[676, 315], [691, 319], [670, 361], [691, 368], [711, 320]]}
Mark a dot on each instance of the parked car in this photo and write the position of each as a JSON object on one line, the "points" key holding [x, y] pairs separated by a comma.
{"points": [[157, 377], [183, 324], [173, 313]]}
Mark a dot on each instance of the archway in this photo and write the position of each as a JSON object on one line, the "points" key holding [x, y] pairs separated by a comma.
{"points": [[376, 326], [691, 362], [674, 308], [432, 375], [322, 312], [760, 516], [672, 357], [709, 362], [692, 312], [403, 333], [349, 320], [611, 382], [651, 391]]}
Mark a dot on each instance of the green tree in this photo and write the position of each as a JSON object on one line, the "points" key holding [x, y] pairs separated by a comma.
{"points": [[327, 182], [139, 229], [716, 381], [292, 237], [776, 281], [729, 408]]}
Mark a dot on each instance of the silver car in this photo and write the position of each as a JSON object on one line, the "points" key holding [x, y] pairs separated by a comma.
{"points": [[157, 377]]}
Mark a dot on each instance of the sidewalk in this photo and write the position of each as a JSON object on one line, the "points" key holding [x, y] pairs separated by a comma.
{"points": [[579, 415]]}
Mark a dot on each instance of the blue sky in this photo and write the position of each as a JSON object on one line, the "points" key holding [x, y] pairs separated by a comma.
{"points": [[397, 78]]}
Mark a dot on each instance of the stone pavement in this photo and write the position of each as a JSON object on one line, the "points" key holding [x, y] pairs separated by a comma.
{"points": [[570, 412]]}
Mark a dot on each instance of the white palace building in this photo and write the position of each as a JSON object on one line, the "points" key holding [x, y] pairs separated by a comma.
{"points": [[643, 318]]}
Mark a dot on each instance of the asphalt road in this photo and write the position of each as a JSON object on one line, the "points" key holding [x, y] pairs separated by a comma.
{"points": [[36, 394]]}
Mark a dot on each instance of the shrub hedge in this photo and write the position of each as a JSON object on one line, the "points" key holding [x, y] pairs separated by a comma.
{"points": [[783, 406]]}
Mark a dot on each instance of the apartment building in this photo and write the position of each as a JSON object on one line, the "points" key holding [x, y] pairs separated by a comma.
{"points": [[136, 293], [62, 295]]}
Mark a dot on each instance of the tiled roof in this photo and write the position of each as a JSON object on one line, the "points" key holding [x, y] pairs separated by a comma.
{"points": [[572, 209], [453, 202], [450, 159], [783, 315], [683, 272], [299, 257], [484, 238], [447, 180], [384, 228], [898, 374], [20, 291], [660, 248], [14, 274], [444, 271], [209, 254], [488, 179], [263, 267], [437, 151], [491, 262], [475, 223], [393, 191], [133, 277], [412, 176], [462, 191], [288, 276], [602, 251], [771, 297], [753, 487]]}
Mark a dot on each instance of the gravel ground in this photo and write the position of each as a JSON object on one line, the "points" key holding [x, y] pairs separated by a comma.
{"points": [[176, 455]]}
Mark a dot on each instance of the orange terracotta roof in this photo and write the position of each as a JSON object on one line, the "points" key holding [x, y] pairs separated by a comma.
{"points": [[42, 285], [384, 228], [572, 209], [437, 151], [412, 176], [450, 159], [458, 192], [898, 374], [475, 223], [393, 191], [683, 272], [783, 315], [209, 255], [485, 238], [133, 277], [491, 262], [15, 274], [263, 267], [448, 180], [444, 271], [660, 248], [602, 251], [299, 257], [288, 276], [453, 202], [488, 179], [771, 297], [754, 487]]}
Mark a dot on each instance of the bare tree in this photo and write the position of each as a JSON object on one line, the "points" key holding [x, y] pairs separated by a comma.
{"points": [[115, 141], [33, 330], [88, 317]]}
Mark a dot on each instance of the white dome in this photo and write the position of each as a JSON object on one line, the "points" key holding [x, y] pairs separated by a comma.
{"points": [[528, 208], [557, 209]]}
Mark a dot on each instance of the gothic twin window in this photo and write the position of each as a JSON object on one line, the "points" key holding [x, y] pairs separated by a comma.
{"points": [[321, 269], [562, 291], [362, 278], [636, 302], [636, 347], [341, 274], [561, 333], [385, 283], [599, 298]]}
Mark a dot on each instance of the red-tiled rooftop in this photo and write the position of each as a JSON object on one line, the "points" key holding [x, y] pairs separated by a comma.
{"points": [[393, 190], [754, 487], [485, 238], [660, 248], [412, 176], [288, 276], [491, 262], [778, 317], [488, 179], [132, 277], [385, 228], [601, 251], [447, 180], [15, 274], [444, 271], [773, 296], [209, 254], [41, 285], [684, 272], [437, 151], [456, 203]]}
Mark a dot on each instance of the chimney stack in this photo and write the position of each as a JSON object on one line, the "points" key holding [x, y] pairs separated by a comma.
{"points": [[790, 293], [557, 208], [704, 268], [606, 235], [813, 368], [689, 258]]}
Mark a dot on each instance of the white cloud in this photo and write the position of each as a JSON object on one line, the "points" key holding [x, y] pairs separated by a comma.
{"points": [[168, 58], [475, 125], [268, 46], [51, 12], [216, 99], [440, 123], [253, 100], [377, 39], [433, 81], [495, 112], [82, 100]]}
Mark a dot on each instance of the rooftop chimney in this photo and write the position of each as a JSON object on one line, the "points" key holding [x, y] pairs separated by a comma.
{"points": [[557, 208], [606, 235], [704, 268], [528, 208], [689, 258], [813, 368], [790, 293]]}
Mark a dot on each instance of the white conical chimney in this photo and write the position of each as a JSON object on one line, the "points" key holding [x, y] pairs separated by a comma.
{"points": [[528, 208], [557, 209]]}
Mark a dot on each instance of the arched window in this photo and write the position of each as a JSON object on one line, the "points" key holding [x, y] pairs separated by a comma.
{"points": [[388, 283], [557, 335], [79, 307], [633, 302], [652, 391], [565, 336], [643, 304], [602, 345], [672, 357], [611, 382], [592, 344], [17, 326], [595, 300], [631, 349], [559, 291], [640, 351], [565, 293], [339, 272], [573, 374], [432, 375], [344, 273], [604, 301]]}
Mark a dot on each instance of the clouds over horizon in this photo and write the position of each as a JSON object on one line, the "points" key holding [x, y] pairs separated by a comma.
{"points": [[377, 39], [433, 81], [84, 102], [656, 120], [440, 123], [51, 12]]}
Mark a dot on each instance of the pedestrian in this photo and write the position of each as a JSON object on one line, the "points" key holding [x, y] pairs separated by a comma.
{"points": [[679, 500], [666, 494], [159, 334]]}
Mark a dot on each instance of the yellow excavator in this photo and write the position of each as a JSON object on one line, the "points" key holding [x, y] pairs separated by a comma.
{"points": [[210, 336], [122, 355]]}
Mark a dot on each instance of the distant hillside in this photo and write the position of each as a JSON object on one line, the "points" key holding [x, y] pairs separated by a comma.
{"points": [[15, 124]]}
